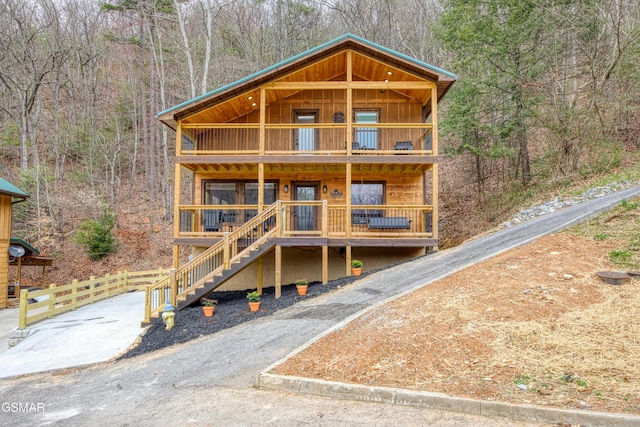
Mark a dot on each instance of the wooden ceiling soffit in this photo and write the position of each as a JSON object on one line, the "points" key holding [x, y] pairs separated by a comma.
{"points": [[328, 56], [320, 74], [242, 102]]}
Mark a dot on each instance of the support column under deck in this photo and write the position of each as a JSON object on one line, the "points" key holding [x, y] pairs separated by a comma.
{"points": [[278, 271]]}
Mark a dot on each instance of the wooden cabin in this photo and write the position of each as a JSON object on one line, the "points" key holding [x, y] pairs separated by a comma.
{"points": [[326, 157], [9, 194]]}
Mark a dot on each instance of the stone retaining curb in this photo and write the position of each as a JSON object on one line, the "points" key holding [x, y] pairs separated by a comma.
{"points": [[16, 335], [440, 401]]}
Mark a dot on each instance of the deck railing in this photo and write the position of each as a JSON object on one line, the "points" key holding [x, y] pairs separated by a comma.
{"points": [[318, 218], [61, 299], [307, 139], [207, 220], [212, 261], [305, 218]]}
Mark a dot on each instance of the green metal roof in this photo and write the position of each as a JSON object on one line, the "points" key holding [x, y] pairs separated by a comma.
{"points": [[9, 189], [30, 250], [302, 55]]}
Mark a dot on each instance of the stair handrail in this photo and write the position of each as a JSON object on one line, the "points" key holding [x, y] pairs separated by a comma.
{"points": [[217, 257]]}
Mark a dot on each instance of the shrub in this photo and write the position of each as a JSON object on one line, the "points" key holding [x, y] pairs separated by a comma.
{"points": [[96, 237]]}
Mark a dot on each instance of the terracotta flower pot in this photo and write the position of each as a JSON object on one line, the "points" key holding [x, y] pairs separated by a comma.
{"points": [[302, 289], [356, 271], [208, 310], [254, 306]]}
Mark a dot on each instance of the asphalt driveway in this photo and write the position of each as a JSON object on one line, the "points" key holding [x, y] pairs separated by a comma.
{"points": [[211, 381]]}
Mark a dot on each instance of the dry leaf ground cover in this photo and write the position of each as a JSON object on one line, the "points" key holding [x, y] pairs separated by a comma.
{"points": [[533, 325]]}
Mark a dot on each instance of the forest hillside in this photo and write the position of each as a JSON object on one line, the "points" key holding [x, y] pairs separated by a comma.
{"points": [[546, 101]]}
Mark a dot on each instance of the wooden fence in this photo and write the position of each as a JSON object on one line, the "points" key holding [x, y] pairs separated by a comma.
{"points": [[61, 299]]}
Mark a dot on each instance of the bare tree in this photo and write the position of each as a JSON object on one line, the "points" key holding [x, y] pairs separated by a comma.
{"points": [[29, 51]]}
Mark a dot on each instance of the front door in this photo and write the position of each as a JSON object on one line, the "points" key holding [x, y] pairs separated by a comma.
{"points": [[304, 139], [304, 217]]}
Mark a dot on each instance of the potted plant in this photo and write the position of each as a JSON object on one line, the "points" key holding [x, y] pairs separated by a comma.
{"points": [[301, 286], [254, 300], [356, 267], [208, 306]]}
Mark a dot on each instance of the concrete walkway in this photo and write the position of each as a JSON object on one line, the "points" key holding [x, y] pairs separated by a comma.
{"points": [[8, 322], [91, 334]]}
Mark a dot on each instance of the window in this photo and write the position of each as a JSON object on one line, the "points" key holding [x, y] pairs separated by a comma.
{"points": [[369, 193], [237, 193], [251, 193], [251, 196], [366, 137], [219, 193], [305, 138]]}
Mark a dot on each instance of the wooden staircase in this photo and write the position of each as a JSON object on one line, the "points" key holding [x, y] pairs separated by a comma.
{"points": [[221, 275], [237, 250]]}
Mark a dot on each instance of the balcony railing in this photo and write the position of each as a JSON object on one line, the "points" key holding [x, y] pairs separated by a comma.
{"points": [[313, 219], [307, 139]]}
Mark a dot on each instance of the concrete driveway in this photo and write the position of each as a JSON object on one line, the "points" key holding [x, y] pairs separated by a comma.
{"points": [[211, 381]]}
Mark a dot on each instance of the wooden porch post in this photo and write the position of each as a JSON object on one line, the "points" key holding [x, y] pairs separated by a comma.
{"points": [[278, 270], [434, 170], [260, 275], [263, 120], [348, 165], [177, 181], [325, 248], [260, 186], [325, 264], [434, 200], [434, 120]]}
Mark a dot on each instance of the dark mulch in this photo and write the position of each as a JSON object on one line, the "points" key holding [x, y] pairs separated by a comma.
{"points": [[232, 310]]}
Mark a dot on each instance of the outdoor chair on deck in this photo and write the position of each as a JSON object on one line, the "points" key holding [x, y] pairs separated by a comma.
{"points": [[212, 220], [403, 146]]}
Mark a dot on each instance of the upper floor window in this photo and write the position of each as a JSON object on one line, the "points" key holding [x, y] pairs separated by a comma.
{"points": [[366, 137]]}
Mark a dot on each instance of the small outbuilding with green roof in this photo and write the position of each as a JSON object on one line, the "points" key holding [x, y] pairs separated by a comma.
{"points": [[9, 194]]}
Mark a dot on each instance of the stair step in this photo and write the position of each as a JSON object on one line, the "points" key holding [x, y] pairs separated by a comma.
{"points": [[249, 255]]}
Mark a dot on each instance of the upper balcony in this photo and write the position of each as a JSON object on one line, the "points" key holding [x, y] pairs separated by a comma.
{"points": [[305, 142]]}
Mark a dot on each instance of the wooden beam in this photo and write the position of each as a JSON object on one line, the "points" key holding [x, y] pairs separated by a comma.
{"points": [[325, 265], [259, 278], [434, 202], [260, 187], [341, 85], [434, 120], [347, 218], [348, 260], [278, 271], [176, 211], [179, 137], [263, 120]]}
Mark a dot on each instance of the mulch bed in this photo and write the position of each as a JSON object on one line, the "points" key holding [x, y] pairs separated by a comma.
{"points": [[232, 310]]}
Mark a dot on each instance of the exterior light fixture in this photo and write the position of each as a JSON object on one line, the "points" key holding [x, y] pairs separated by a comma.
{"points": [[389, 73], [286, 188], [324, 188], [254, 104], [250, 97]]}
